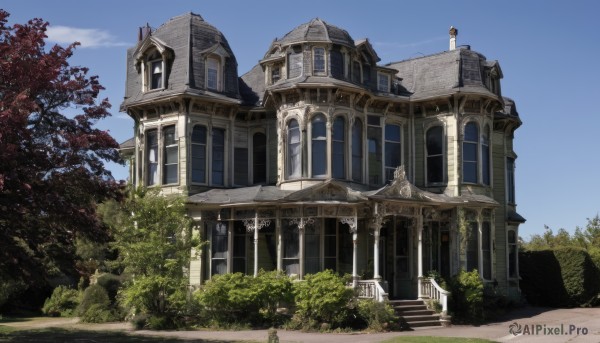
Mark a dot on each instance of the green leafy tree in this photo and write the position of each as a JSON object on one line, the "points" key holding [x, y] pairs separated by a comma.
{"points": [[154, 242]]}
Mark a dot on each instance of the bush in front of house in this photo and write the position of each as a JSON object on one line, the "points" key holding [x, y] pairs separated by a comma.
{"points": [[564, 277], [466, 299], [377, 316], [96, 307], [323, 301], [238, 299], [62, 303]]}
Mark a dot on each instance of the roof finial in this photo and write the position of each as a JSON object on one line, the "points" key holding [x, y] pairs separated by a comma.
{"points": [[453, 33]]}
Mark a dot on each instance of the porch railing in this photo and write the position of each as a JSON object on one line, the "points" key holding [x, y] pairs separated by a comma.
{"points": [[432, 290], [371, 289]]}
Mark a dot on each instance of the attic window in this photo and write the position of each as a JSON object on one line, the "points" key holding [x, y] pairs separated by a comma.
{"points": [[383, 82], [318, 61], [275, 73], [155, 66], [212, 73]]}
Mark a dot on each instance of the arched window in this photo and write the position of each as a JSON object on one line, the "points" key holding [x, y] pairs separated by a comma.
{"points": [[171, 153], [259, 157], [435, 154], [470, 142], [357, 150], [393, 150], [294, 150], [485, 155], [155, 71], [338, 139], [199, 154], [319, 146]]}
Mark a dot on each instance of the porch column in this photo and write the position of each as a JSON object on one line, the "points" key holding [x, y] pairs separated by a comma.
{"points": [[353, 224], [255, 225], [420, 252], [278, 233], [376, 224], [301, 223]]}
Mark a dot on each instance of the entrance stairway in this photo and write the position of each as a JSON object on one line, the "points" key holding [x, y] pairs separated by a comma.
{"points": [[414, 313]]}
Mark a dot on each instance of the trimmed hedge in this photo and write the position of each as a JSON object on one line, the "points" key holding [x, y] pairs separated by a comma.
{"points": [[565, 277]]}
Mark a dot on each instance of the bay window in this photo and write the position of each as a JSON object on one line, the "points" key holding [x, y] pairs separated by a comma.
{"points": [[470, 153], [294, 151], [319, 146]]}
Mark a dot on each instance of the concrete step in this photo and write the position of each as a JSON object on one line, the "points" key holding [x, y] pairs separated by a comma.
{"points": [[418, 313], [413, 319], [406, 302], [425, 323], [405, 308], [415, 313]]}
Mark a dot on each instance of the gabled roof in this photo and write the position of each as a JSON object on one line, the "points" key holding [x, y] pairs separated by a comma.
{"points": [[330, 191]]}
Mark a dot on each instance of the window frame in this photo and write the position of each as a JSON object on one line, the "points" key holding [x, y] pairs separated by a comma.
{"points": [[318, 144], [380, 86], [510, 180], [254, 158], [341, 144], [387, 143], [213, 150], [486, 166], [174, 145], [514, 244], [290, 165], [441, 155], [199, 145], [148, 161], [321, 61], [472, 143], [358, 158], [218, 73]]}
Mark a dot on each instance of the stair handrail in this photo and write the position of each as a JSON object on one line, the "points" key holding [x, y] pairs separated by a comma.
{"points": [[381, 295], [438, 293], [371, 289]]}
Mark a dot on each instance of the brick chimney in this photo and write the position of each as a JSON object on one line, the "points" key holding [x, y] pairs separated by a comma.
{"points": [[453, 33]]}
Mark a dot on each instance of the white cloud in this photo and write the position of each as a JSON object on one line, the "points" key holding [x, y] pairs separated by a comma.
{"points": [[89, 38]]}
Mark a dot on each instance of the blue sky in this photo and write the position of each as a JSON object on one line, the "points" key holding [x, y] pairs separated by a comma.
{"points": [[548, 52]]}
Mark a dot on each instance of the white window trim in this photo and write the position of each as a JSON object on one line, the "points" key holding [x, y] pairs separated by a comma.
{"points": [[287, 158], [164, 149], [219, 60], [209, 144], [327, 146], [160, 155], [380, 76]]}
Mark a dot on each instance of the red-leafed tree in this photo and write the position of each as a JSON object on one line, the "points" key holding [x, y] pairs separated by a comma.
{"points": [[52, 173]]}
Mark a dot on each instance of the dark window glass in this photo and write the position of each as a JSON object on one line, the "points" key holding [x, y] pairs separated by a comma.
{"points": [[218, 156], [510, 179], [393, 152], [319, 146], [338, 158], [294, 150], [259, 158], [240, 172], [156, 75], [435, 154], [486, 249], [357, 151], [485, 156], [219, 248], [319, 60], [199, 154], [472, 247]]}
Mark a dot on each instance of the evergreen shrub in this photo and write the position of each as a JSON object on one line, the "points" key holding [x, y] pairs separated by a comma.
{"points": [[62, 303]]}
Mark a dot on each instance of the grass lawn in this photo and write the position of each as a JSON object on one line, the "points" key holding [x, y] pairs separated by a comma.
{"points": [[53, 335], [427, 339]]}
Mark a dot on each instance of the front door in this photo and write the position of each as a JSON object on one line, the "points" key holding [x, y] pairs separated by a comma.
{"points": [[402, 283]]}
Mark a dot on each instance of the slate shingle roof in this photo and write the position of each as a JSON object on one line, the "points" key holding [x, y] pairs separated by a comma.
{"points": [[442, 74], [317, 31], [189, 38]]}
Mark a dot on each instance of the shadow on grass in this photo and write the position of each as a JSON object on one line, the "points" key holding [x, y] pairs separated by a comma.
{"points": [[84, 336]]}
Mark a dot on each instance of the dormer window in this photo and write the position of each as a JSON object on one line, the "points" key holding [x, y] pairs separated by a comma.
{"points": [[383, 82], [275, 73], [213, 67], [155, 67], [318, 61]]}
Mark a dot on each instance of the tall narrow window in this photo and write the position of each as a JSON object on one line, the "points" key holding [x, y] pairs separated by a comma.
{"points": [[219, 244], [240, 241], [393, 151], [485, 155], [151, 157], [259, 157], [156, 76], [486, 249], [275, 73], [291, 249], [356, 71], [294, 150], [375, 150], [319, 146], [199, 154], [357, 150], [240, 162], [218, 156], [470, 153], [171, 152], [312, 248], [319, 61], [472, 246], [212, 74], [330, 243], [338, 158], [435, 155], [510, 179], [512, 254]]}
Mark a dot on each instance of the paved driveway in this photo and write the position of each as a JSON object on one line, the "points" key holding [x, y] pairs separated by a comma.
{"points": [[536, 325]]}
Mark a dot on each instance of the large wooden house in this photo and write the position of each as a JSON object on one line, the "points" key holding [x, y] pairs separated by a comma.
{"points": [[320, 158]]}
